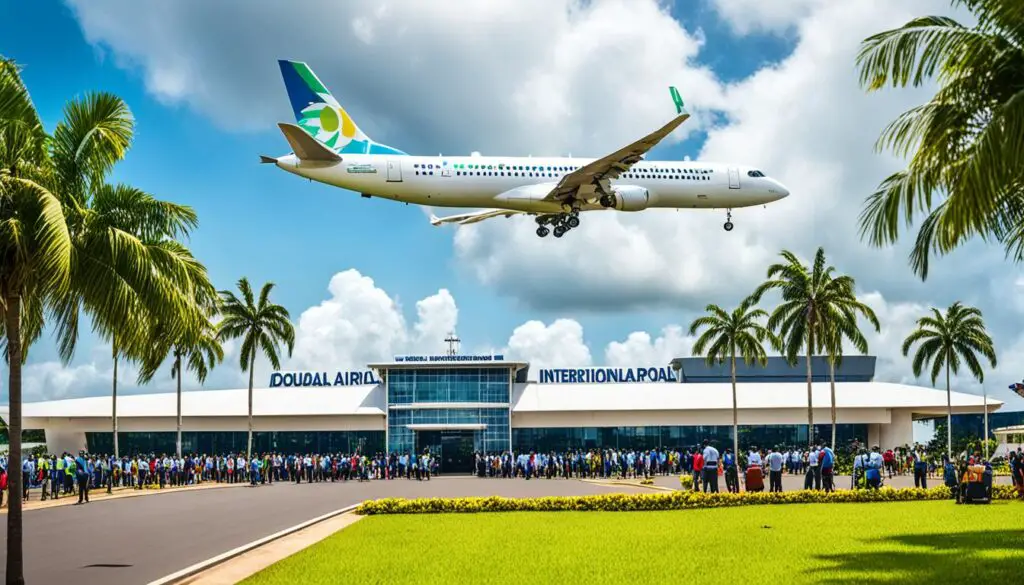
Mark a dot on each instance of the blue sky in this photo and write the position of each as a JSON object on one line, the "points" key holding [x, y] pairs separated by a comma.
{"points": [[267, 225], [770, 83]]}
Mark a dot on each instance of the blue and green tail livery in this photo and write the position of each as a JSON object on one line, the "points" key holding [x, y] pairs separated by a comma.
{"points": [[320, 115]]}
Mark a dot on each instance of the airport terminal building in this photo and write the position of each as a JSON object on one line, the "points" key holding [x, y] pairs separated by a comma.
{"points": [[456, 405]]}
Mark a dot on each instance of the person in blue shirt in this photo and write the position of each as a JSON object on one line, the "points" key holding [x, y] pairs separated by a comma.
{"points": [[828, 461], [82, 476], [732, 483]]}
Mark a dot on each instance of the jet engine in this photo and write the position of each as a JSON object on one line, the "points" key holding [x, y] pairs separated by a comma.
{"points": [[627, 198]]}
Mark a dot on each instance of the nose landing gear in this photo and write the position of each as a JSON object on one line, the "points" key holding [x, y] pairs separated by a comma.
{"points": [[728, 220]]}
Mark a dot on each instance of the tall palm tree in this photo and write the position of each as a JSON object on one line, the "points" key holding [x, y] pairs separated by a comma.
{"points": [[130, 266], [946, 341], [197, 352], [966, 145], [35, 263], [728, 335], [810, 298], [262, 325], [843, 325]]}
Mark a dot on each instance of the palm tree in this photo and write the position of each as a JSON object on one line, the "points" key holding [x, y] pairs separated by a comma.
{"points": [[262, 325], [945, 342], [728, 335], [810, 298], [843, 325], [130, 267], [966, 145], [35, 263], [198, 352]]}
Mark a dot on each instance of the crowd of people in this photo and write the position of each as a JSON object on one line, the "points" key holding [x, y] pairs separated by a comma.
{"points": [[67, 475]]}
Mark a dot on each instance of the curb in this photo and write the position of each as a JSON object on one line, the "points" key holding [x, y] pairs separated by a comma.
{"points": [[214, 561], [628, 484]]}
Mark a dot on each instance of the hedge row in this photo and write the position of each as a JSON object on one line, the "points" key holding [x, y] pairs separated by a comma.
{"points": [[678, 500]]}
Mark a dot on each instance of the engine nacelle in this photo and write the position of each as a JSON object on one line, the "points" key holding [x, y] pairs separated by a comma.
{"points": [[627, 198]]}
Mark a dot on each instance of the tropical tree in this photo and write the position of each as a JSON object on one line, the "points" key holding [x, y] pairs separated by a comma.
{"points": [[842, 326], [69, 242], [728, 335], [35, 263], [945, 341], [812, 298], [966, 145], [130, 266], [262, 325], [195, 351]]}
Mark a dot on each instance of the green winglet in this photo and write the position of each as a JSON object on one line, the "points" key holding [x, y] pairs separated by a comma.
{"points": [[677, 99]]}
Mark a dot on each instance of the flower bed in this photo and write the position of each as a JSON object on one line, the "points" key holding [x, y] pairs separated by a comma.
{"points": [[655, 501]]}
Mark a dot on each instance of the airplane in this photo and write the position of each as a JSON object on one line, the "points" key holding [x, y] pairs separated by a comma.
{"points": [[328, 147]]}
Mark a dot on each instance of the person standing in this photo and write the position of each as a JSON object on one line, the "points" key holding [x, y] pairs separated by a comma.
{"points": [[82, 475], [710, 455], [827, 460], [731, 478], [920, 467], [813, 478], [775, 461]]}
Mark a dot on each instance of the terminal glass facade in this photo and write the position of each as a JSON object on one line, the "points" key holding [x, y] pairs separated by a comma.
{"points": [[673, 437], [445, 397], [220, 443]]}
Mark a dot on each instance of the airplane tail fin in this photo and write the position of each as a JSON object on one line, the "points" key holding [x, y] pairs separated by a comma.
{"points": [[322, 117]]}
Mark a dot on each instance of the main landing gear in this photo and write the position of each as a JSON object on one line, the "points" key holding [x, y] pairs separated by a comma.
{"points": [[562, 222], [728, 220]]}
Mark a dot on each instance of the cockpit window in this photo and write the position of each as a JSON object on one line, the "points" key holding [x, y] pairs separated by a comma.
{"points": [[755, 174]]}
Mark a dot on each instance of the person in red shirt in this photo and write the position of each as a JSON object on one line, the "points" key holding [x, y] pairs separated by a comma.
{"points": [[889, 458], [698, 467]]}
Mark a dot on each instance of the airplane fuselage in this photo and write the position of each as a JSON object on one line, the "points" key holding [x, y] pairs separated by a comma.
{"points": [[522, 183]]}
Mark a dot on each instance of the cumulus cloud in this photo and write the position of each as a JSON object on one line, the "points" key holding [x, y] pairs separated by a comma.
{"points": [[559, 344], [537, 74], [747, 16], [639, 349]]}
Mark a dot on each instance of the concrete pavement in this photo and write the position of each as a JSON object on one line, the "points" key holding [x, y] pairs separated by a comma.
{"points": [[138, 540]]}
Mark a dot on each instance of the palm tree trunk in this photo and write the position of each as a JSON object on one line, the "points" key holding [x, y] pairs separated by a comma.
{"points": [[177, 370], [810, 398], [113, 401], [248, 443], [15, 565], [949, 417], [735, 424], [832, 383]]}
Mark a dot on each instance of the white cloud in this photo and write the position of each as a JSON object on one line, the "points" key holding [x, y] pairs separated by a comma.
{"points": [[560, 344], [640, 350], [746, 16]]}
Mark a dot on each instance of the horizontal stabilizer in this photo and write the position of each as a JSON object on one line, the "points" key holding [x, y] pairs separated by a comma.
{"points": [[267, 160], [306, 147], [474, 217]]}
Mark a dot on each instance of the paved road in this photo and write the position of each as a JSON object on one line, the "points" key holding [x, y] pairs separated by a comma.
{"points": [[138, 540]]}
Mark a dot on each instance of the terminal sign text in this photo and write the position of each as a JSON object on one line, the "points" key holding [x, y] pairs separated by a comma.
{"points": [[309, 379], [605, 375]]}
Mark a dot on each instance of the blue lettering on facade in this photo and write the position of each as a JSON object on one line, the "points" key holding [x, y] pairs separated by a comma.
{"points": [[321, 379], [605, 375], [450, 358]]}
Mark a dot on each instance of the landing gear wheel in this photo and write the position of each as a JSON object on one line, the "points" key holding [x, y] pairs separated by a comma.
{"points": [[573, 222], [542, 231], [728, 226], [560, 231]]}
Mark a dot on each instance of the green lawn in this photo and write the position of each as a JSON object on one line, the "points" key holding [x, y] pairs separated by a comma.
{"points": [[904, 542]]}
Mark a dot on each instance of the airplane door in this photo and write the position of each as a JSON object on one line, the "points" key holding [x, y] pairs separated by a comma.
{"points": [[394, 171], [734, 178]]}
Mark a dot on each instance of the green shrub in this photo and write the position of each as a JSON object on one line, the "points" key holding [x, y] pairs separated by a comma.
{"points": [[686, 482], [679, 500]]}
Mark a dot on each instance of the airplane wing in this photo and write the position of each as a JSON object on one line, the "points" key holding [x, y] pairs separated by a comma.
{"points": [[473, 217], [591, 181]]}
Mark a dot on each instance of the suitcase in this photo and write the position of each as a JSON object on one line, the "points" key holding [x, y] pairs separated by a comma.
{"points": [[976, 493], [755, 479]]}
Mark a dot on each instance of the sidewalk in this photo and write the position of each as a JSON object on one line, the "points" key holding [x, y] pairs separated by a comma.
{"points": [[100, 494]]}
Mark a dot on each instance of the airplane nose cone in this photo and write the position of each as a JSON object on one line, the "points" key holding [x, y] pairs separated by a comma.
{"points": [[779, 190]]}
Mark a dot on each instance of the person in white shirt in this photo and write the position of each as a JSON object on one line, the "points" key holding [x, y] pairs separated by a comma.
{"points": [[775, 462], [813, 478], [710, 468], [754, 459]]}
